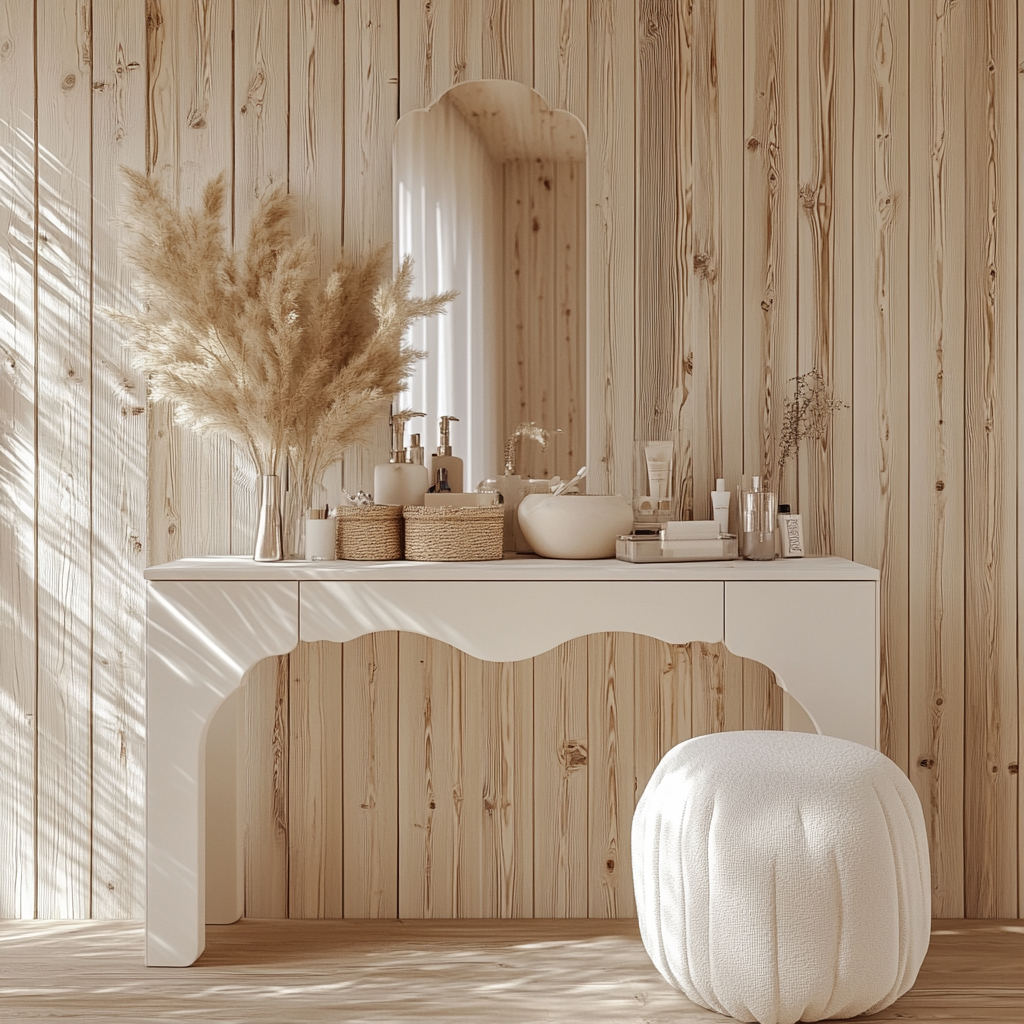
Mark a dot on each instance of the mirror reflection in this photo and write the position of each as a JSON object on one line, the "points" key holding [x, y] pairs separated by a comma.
{"points": [[490, 199]]}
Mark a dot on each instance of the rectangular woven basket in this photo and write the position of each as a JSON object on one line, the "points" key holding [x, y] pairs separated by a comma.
{"points": [[369, 532], [451, 534]]}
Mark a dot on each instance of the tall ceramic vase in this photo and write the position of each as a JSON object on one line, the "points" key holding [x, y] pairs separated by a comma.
{"points": [[268, 522]]}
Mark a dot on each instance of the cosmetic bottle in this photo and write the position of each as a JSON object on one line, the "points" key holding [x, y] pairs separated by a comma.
{"points": [[659, 473], [758, 509], [400, 482], [791, 533], [443, 459], [720, 498], [415, 451]]}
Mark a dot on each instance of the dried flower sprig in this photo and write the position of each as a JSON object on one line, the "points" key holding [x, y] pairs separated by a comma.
{"points": [[240, 345], [530, 431], [807, 415]]}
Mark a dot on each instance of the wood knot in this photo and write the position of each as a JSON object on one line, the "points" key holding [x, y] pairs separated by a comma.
{"points": [[547, 184], [940, 485], [1014, 768], [753, 145], [536, 224], [68, 83], [6, 49], [927, 762], [573, 755], [610, 864]]}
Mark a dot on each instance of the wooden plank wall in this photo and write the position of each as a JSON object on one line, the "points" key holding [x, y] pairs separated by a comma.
{"points": [[773, 186]]}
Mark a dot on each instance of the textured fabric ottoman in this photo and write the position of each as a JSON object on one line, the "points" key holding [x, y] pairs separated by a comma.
{"points": [[782, 876]]}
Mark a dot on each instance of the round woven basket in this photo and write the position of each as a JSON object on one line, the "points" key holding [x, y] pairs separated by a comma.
{"points": [[369, 532], [451, 534]]}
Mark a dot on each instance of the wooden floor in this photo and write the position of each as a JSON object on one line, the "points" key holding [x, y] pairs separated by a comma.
{"points": [[493, 971]]}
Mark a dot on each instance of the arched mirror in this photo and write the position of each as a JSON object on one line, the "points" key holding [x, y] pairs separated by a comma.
{"points": [[490, 199]]}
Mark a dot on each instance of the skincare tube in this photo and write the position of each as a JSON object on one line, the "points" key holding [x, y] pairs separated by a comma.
{"points": [[659, 469], [720, 505]]}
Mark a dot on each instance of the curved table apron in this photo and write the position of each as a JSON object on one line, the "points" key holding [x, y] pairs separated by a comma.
{"points": [[813, 622]]}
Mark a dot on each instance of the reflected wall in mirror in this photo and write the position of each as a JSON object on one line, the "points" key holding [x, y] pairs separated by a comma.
{"points": [[490, 199]]}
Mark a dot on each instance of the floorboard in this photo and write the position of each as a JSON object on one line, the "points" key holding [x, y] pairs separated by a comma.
{"points": [[562, 971]]}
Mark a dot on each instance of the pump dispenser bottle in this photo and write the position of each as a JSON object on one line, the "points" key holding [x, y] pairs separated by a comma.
{"points": [[400, 481], [445, 460]]}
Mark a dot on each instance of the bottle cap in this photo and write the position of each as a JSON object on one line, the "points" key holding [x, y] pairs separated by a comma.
{"points": [[720, 484], [784, 510]]}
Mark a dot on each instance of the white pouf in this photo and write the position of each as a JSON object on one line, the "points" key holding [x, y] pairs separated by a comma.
{"points": [[782, 876]]}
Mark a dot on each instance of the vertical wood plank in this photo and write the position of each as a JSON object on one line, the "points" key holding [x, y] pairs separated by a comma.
{"points": [[880, 536], [266, 768], [371, 105], [189, 59], [664, 247], [560, 54], [315, 834], [440, 45], [1020, 476], [936, 568], [17, 461], [770, 264], [663, 715], [260, 162], [370, 773], [560, 776], [119, 477], [825, 156], [534, 308], [705, 313], [430, 779], [717, 694], [508, 40], [610, 302], [730, 149], [990, 722], [496, 876], [570, 341], [612, 796], [516, 299], [316, 142], [769, 273], [64, 454]]}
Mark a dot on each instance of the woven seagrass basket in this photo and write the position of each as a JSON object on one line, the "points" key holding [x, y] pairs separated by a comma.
{"points": [[452, 534], [369, 532]]}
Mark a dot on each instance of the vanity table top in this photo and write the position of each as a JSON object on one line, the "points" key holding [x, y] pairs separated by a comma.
{"points": [[515, 567]]}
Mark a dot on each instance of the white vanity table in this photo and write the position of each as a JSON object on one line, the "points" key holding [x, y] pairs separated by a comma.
{"points": [[814, 622]]}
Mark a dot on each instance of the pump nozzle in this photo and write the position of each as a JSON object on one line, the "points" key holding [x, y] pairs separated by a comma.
{"points": [[398, 422], [444, 445]]}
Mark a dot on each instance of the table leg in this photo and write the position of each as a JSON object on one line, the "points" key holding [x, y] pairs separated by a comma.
{"points": [[821, 641], [201, 638]]}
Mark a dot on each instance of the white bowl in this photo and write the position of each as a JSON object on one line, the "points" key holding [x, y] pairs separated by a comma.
{"points": [[574, 525]]}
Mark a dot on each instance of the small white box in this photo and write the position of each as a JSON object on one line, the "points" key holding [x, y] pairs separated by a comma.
{"points": [[698, 529]]}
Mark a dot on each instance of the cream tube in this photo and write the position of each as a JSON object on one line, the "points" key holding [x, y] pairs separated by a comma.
{"points": [[659, 469], [720, 505]]}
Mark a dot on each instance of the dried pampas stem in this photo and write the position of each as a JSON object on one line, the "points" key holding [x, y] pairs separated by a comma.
{"points": [[242, 345]]}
